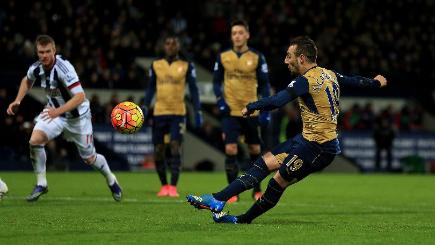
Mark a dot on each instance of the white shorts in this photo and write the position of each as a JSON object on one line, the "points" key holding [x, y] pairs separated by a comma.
{"points": [[77, 130]]}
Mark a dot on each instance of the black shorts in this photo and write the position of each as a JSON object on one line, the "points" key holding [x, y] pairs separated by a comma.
{"points": [[299, 157], [167, 124], [233, 127]]}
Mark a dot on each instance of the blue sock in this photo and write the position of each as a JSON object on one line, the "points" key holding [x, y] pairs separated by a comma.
{"points": [[175, 163], [231, 167], [257, 187], [161, 171], [244, 182], [269, 199], [159, 157]]}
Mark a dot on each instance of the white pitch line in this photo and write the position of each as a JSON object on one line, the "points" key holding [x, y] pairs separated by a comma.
{"points": [[100, 199]]}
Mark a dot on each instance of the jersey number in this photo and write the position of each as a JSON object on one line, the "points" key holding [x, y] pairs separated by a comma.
{"points": [[333, 100]]}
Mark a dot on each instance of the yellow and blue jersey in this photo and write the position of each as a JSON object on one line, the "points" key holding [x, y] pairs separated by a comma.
{"points": [[319, 106], [168, 80], [318, 94], [243, 76]]}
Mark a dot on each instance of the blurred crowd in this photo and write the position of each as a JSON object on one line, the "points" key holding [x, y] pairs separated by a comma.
{"points": [[358, 117], [286, 123], [103, 38]]}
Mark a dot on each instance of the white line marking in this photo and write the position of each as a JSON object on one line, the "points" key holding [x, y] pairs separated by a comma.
{"points": [[99, 199]]}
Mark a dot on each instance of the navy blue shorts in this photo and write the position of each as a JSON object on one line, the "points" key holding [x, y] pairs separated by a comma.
{"points": [[299, 157], [233, 127], [172, 125]]}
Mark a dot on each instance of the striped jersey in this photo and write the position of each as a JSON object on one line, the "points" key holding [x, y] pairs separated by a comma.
{"points": [[61, 83]]}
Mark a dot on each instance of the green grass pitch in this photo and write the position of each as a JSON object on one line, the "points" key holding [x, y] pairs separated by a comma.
{"points": [[322, 209]]}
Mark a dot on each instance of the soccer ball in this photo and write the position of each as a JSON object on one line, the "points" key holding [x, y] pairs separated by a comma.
{"points": [[3, 189], [127, 117]]}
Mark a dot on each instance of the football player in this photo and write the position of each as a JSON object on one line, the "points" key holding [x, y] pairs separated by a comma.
{"points": [[168, 79], [317, 90], [67, 111], [244, 74]]}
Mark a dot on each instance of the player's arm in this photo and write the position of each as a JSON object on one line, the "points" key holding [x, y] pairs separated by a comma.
{"points": [[72, 103], [25, 86], [296, 88], [263, 87], [193, 88], [194, 94], [263, 77], [151, 90], [362, 82], [218, 78]]}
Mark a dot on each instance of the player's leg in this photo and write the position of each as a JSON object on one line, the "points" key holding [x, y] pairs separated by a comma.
{"points": [[99, 163], [159, 159], [231, 129], [251, 130], [174, 163], [178, 126], [160, 127], [38, 156], [254, 153], [388, 149], [378, 158], [294, 170], [80, 132], [43, 132], [261, 168]]}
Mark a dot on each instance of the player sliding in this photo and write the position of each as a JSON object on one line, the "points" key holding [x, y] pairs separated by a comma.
{"points": [[317, 90], [67, 112]]}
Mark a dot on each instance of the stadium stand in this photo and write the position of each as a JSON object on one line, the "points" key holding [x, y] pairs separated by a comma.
{"points": [[103, 41]]}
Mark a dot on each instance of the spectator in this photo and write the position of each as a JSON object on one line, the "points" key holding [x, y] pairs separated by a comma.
{"points": [[384, 135]]}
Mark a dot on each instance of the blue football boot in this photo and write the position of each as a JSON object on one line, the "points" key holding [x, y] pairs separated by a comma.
{"points": [[223, 217], [206, 201], [38, 191]]}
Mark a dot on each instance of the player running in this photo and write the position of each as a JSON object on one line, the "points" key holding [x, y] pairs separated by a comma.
{"points": [[317, 90], [67, 112]]}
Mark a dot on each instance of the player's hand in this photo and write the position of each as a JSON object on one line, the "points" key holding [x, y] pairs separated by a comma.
{"points": [[13, 108], [49, 113], [264, 118], [382, 80], [199, 120], [246, 112], [223, 107]]}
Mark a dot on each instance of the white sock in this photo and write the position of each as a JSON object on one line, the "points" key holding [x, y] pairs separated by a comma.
{"points": [[38, 157], [101, 165]]}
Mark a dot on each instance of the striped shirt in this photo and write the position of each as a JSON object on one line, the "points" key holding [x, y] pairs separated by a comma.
{"points": [[61, 83]]}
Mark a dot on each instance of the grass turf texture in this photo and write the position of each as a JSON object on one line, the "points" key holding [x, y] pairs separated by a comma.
{"points": [[322, 209]]}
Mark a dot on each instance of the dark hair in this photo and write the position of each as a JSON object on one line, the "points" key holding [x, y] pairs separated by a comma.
{"points": [[305, 46], [44, 40], [172, 36], [240, 23]]}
